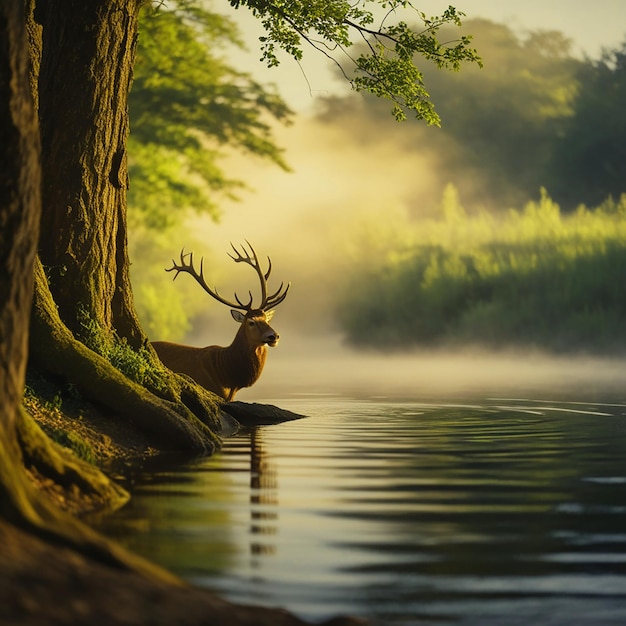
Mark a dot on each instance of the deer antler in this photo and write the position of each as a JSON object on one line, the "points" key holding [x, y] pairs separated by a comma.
{"points": [[189, 268], [241, 257]]}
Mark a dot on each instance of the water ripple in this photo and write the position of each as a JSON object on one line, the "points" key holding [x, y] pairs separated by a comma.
{"points": [[499, 511]]}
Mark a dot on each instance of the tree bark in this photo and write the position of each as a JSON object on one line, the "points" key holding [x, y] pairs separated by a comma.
{"points": [[87, 56], [19, 211], [20, 204]]}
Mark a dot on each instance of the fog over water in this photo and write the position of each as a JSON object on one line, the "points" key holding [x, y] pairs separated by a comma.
{"points": [[314, 223], [325, 365]]}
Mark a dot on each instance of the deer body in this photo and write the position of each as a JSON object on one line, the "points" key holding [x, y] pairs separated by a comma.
{"points": [[226, 370]]}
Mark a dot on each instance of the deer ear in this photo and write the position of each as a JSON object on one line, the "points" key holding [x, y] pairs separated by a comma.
{"points": [[269, 315], [238, 316]]}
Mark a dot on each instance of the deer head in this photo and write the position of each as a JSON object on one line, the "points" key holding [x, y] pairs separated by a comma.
{"points": [[254, 319]]}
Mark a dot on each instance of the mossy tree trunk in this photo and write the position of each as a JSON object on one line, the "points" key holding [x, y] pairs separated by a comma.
{"points": [[82, 55], [168, 421], [20, 204], [87, 57], [19, 208]]}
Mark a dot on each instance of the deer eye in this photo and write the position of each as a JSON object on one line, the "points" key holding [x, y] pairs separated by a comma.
{"points": [[251, 323]]}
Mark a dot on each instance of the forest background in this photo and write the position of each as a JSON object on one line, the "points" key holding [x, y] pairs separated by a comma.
{"points": [[503, 228]]}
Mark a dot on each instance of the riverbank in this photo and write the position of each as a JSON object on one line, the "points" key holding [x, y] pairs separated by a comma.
{"points": [[86, 432], [42, 583], [46, 579], [113, 445]]}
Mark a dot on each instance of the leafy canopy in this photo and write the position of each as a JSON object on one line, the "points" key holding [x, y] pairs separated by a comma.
{"points": [[513, 126], [590, 159], [387, 68], [187, 104]]}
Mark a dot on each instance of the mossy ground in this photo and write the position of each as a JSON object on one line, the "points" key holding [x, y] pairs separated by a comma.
{"points": [[88, 431]]}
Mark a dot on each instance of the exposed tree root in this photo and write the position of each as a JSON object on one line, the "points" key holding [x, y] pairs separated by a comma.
{"points": [[45, 458], [187, 420]]}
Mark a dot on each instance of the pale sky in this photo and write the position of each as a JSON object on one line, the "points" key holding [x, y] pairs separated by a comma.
{"points": [[591, 24]]}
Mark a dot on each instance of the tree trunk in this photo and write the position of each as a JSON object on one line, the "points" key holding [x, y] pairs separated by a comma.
{"points": [[20, 204], [19, 210], [87, 56], [82, 55]]}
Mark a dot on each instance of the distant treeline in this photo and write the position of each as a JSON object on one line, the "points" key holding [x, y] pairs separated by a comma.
{"points": [[523, 278], [533, 116]]}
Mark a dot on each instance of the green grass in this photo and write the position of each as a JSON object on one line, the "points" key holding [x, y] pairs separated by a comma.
{"points": [[138, 365], [81, 447], [527, 278]]}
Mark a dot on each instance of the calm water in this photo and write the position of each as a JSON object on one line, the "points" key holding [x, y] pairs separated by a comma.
{"points": [[496, 511]]}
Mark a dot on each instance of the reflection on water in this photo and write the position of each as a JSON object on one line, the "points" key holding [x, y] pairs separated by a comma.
{"points": [[501, 511], [263, 496]]}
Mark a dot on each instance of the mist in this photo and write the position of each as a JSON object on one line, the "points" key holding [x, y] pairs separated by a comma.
{"points": [[318, 366], [340, 206], [343, 205]]}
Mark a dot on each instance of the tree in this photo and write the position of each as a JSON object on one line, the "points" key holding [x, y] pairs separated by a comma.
{"points": [[506, 120], [590, 159], [186, 105], [500, 124], [19, 206], [84, 158]]}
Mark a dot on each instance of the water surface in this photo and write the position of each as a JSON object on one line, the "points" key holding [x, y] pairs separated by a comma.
{"points": [[486, 511]]}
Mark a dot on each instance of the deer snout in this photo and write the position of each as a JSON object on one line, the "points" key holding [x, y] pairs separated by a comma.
{"points": [[271, 339]]}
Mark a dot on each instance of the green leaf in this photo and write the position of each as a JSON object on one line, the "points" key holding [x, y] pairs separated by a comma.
{"points": [[389, 68]]}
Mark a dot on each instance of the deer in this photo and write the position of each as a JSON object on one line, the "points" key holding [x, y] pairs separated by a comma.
{"points": [[226, 370]]}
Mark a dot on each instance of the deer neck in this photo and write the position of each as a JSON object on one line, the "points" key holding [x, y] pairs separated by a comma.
{"points": [[246, 360]]}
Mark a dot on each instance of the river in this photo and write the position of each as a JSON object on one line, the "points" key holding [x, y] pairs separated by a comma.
{"points": [[405, 509]]}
